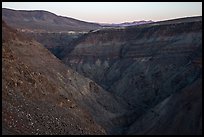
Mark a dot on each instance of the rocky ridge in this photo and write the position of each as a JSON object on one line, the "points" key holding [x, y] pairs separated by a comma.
{"points": [[40, 95]]}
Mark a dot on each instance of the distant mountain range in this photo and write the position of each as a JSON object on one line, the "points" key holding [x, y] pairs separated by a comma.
{"points": [[125, 24]]}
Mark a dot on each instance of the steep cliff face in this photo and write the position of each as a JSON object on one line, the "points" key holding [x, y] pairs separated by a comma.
{"points": [[143, 64], [40, 95]]}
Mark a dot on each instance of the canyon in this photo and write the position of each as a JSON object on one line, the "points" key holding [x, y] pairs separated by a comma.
{"points": [[145, 65], [140, 79]]}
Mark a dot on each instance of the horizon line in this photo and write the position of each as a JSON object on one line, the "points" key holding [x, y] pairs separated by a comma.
{"points": [[100, 22]]}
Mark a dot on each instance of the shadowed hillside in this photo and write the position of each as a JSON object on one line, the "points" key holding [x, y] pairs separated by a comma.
{"points": [[42, 96], [43, 21]]}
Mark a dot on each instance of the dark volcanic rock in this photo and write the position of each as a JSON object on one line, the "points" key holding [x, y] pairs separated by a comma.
{"points": [[179, 114]]}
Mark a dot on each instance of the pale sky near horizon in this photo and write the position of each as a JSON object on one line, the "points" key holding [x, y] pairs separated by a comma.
{"points": [[113, 12]]}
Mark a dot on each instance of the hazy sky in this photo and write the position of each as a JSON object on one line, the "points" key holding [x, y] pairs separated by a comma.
{"points": [[113, 12]]}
